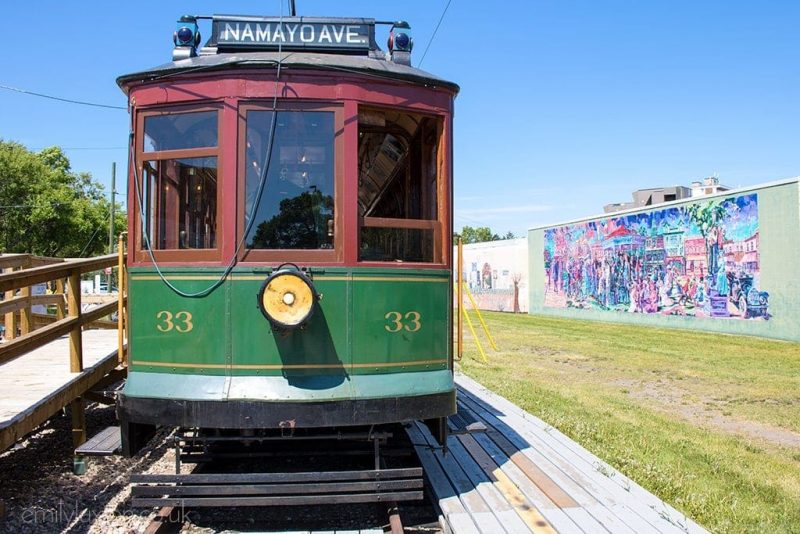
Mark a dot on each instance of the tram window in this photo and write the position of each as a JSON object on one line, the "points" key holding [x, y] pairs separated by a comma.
{"points": [[398, 185], [177, 131], [181, 203], [296, 209], [391, 244]]}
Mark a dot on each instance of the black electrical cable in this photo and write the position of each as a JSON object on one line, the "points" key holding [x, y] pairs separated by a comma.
{"points": [[434, 33], [81, 102], [252, 218]]}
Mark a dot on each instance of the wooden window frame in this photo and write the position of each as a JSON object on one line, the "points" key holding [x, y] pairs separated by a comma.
{"points": [[442, 199], [272, 256], [184, 254]]}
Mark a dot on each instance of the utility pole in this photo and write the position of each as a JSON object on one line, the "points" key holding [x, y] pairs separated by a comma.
{"points": [[113, 193]]}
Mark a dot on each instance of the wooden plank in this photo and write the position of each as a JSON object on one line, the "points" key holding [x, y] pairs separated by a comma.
{"points": [[13, 261], [413, 224], [445, 495], [45, 273], [17, 303], [96, 313], [26, 421], [598, 504], [38, 338], [547, 485], [38, 385], [504, 510], [523, 506], [619, 494], [559, 470], [482, 507], [557, 516], [622, 502], [75, 334], [106, 442]]}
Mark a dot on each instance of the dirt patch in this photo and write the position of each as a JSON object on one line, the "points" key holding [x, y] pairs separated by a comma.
{"points": [[705, 411]]}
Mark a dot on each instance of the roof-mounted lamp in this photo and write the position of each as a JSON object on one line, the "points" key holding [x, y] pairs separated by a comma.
{"points": [[186, 38], [400, 43]]}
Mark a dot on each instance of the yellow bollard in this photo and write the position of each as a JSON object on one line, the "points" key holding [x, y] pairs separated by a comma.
{"points": [[475, 336], [480, 317]]}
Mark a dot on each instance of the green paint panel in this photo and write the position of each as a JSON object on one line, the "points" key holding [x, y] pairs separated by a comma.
{"points": [[276, 388], [321, 342], [365, 316], [167, 328], [401, 317]]}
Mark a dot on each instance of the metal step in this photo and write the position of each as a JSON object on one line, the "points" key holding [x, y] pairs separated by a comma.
{"points": [[277, 489], [106, 443]]}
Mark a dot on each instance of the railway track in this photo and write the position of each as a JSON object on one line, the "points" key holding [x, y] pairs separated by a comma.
{"points": [[170, 519], [334, 486]]}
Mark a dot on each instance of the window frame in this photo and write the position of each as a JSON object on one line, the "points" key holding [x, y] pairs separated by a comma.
{"points": [[436, 225], [179, 254], [333, 255]]}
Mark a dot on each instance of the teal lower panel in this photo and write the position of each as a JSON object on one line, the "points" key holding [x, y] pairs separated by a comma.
{"points": [[277, 388]]}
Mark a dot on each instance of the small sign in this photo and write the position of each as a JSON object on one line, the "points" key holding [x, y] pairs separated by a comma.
{"points": [[293, 33]]}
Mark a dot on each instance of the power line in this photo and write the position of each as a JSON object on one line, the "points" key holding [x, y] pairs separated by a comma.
{"points": [[83, 147], [83, 103], [434, 32], [31, 206]]}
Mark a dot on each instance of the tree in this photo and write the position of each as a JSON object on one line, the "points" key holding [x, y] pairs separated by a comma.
{"points": [[476, 235], [480, 234], [46, 209], [302, 223]]}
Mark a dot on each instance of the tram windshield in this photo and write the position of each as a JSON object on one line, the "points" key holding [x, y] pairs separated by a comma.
{"points": [[296, 205], [180, 180]]}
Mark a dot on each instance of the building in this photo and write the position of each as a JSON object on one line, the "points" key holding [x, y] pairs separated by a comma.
{"points": [[708, 186], [723, 262], [650, 197], [496, 273]]}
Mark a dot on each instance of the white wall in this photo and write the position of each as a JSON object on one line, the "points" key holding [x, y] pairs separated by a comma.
{"points": [[490, 269]]}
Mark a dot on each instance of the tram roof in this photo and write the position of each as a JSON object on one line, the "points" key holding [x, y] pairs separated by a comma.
{"points": [[365, 65]]}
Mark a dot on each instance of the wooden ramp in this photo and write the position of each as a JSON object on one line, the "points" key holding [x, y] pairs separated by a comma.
{"points": [[36, 386], [508, 471]]}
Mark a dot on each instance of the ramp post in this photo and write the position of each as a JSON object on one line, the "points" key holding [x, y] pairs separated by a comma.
{"points": [[77, 407]]}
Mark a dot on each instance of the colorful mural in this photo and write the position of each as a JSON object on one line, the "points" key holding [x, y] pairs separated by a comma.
{"points": [[697, 260]]}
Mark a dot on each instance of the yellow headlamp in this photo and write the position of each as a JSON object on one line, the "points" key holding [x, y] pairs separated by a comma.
{"points": [[288, 298]]}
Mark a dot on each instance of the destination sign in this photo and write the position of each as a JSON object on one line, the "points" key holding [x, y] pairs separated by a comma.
{"points": [[294, 33]]}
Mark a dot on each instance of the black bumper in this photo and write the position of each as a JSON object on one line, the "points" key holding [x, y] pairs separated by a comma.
{"points": [[239, 414]]}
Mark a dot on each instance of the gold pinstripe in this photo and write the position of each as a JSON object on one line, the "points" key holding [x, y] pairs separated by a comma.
{"points": [[280, 367], [151, 278]]}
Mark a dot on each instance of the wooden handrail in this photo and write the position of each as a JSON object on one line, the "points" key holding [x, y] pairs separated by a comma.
{"points": [[23, 279], [18, 346], [96, 313], [17, 303], [45, 273], [12, 261]]}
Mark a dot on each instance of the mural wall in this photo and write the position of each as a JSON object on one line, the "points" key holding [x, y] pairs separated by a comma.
{"points": [[699, 260]]}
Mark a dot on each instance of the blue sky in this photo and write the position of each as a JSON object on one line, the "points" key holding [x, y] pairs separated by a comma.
{"points": [[565, 105]]}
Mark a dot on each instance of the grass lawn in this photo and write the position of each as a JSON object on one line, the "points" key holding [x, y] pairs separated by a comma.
{"points": [[708, 422]]}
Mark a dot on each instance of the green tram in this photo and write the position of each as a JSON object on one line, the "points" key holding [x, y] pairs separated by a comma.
{"points": [[289, 257]]}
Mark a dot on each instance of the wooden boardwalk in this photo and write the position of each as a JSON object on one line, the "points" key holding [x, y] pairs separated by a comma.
{"points": [[35, 386], [508, 471]]}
